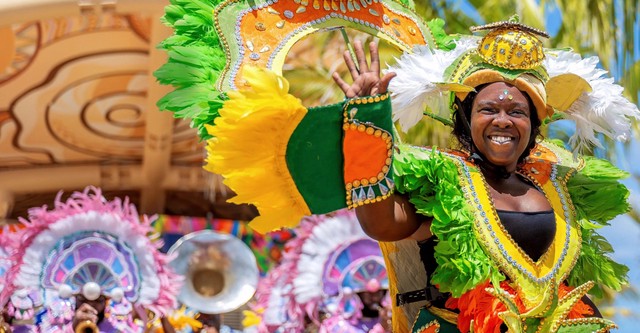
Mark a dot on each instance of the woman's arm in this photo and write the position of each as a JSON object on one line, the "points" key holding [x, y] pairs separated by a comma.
{"points": [[393, 218]]}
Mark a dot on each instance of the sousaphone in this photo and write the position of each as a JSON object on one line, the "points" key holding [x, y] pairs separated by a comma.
{"points": [[220, 271]]}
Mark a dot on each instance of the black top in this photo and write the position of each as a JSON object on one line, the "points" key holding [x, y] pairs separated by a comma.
{"points": [[532, 231]]}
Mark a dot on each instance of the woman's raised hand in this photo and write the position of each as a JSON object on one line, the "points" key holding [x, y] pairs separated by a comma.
{"points": [[366, 77]]}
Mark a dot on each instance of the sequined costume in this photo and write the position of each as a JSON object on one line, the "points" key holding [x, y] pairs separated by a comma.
{"points": [[291, 161]]}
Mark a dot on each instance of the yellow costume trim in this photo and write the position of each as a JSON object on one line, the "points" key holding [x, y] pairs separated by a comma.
{"points": [[180, 319], [249, 148], [398, 316], [555, 313], [183, 320], [252, 318], [446, 315], [531, 278]]}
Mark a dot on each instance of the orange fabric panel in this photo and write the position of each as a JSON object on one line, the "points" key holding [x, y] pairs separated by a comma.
{"points": [[365, 155], [432, 327]]}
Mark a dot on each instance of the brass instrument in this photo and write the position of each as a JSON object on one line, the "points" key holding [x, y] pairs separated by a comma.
{"points": [[220, 271], [2, 323], [87, 326]]}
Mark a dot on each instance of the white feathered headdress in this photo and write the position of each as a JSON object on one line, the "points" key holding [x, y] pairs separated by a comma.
{"points": [[561, 84]]}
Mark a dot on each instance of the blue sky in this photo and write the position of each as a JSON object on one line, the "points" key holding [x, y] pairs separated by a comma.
{"points": [[624, 235]]}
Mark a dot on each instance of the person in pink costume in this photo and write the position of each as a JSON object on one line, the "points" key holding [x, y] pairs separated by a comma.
{"points": [[331, 279], [87, 259]]}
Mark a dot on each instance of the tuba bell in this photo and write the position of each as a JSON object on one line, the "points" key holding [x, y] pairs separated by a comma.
{"points": [[87, 326], [220, 271]]}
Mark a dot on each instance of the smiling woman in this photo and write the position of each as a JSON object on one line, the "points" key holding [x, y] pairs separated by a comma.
{"points": [[501, 116], [500, 222], [495, 234]]}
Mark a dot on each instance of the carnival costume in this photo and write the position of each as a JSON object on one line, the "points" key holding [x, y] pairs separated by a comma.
{"points": [[291, 161], [6, 245], [183, 320], [90, 246], [317, 282]]}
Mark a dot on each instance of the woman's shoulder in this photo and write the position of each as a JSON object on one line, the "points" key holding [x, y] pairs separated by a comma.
{"points": [[549, 160]]}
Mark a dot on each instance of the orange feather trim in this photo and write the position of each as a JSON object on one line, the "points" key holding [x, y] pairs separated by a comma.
{"points": [[482, 308]]}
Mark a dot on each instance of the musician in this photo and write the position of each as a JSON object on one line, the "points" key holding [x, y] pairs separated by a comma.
{"points": [[220, 274], [92, 311], [75, 261]]}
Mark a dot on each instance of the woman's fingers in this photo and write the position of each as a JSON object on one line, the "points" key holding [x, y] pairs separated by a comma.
{"points": [[345, 87], [375, 58], [384, 82], [361, 57], [366, 79], [351, 65]]}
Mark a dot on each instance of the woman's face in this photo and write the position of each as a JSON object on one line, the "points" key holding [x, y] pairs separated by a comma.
{"points": [[501, 124]]}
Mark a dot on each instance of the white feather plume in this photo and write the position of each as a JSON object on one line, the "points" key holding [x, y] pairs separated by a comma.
{"points": [[604, 109], [326, 237], [416, 83]]}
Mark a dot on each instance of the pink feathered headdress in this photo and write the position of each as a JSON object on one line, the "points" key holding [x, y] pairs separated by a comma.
{"points": [[88, 239], [322, 269]]}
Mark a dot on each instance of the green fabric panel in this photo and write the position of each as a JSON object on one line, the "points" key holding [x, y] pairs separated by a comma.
{"points": [[314, 152], [379, 114], [314, 159], [425, 317]]}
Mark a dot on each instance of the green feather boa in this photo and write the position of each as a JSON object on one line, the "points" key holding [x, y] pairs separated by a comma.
{"points": [[430, 180]]}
